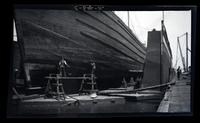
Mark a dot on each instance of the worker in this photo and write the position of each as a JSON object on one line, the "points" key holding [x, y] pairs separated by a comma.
{"points": [[124, 83], [178, 72], [189, 69], [138, 82], [62, 67], [132, 83], [15, 77], [93, 67], [15, 74]]}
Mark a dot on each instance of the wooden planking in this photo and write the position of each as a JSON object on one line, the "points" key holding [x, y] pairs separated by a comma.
{"points": [[38, 31], [116, 43], [64, 38], [119, 22], [111, 33], [106, 20], [55, 14], [43, 47], [51, 45], [60, 27], [74, 45], [69, 39], [83, 57], [108, 44]]}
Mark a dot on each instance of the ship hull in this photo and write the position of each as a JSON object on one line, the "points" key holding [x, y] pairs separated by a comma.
{"points": [[158, 64], [44, 36]]}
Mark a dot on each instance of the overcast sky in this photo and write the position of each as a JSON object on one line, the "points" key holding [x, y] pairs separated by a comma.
{"points": [[176, 23]]}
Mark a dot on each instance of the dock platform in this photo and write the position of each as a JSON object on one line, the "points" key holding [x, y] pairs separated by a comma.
{"points": [[72, 104], [177, 98]]}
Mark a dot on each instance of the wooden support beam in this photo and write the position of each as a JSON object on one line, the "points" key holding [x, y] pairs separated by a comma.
{"points": [[140, 89], [156, 86], [48, 77]]}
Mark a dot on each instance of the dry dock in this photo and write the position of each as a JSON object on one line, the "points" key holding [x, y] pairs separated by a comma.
{"points": [[178, 98]]}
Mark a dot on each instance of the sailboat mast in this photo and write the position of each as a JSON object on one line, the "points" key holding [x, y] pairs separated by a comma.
{"points": [[163, 16], [128, 20]]}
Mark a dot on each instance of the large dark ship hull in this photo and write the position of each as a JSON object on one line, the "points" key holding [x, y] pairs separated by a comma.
{"points": [[158, 64], [44, 36]]}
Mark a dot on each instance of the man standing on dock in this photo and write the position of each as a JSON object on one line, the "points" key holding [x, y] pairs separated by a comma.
{"points": [[178, 72], [62, 67]]}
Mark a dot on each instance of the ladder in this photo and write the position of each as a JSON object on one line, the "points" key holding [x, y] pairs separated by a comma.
{"points": [[88, 84], [55, 87]]}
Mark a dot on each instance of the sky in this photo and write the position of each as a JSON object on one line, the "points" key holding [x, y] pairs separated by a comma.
{"points": [[14, 32], [177, 23]]}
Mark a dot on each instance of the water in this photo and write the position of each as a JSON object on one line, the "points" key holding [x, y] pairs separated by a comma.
{"points": [[63, 110], [128, 107], [110, 110]]}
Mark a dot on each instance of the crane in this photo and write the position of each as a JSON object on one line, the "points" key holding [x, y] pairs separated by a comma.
{"points": [[185, 66], [183, 60]]}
